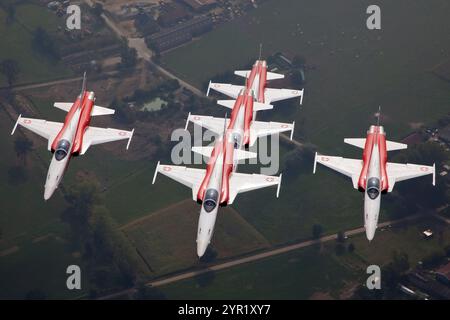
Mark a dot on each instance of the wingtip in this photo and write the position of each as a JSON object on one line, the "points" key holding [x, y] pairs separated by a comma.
{"points": [[434, 174], [292, 131], [301, 96], [156, 173], [279, 185], [315, 163], [15, 126], [187, 121], [129, 139], [209, 87]]}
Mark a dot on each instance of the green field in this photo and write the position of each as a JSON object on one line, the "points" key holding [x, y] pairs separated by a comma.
{"points": [[295, 275], [16, 44], [166, 239], [300, 274], [356, 69], [353, 71], [40, 265]]}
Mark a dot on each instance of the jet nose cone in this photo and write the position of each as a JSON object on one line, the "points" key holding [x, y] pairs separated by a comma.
{"points": [[201, 248], [370, 233], [48, 193]]}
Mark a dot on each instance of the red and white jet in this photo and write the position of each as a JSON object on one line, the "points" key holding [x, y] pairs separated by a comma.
{"points": [[74, 136], [244, 130], [218, 184], [373, 174], [256, 79]]}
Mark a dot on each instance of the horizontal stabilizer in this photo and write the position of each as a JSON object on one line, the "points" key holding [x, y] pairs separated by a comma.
{"points": [[101, 111], [357, 142], [227, 103], [242, 73], [96, 110], [65, 106], [391, 146], [274, 76], [204, 151], [261, 106], [242, 154]]}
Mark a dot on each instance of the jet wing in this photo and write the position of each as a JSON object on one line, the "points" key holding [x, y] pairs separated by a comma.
{"points": [[190, 177], [260, 129], [216, 125], [272, 95], [241, 182], [46, 129], [349, 167], [399, 172], [230, 90], [94, 135]]}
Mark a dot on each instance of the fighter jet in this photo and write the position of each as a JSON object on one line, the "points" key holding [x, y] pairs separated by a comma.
{"points": [[256, 79], [218, 184], [74, 136], [373, 174], [244, 130]]}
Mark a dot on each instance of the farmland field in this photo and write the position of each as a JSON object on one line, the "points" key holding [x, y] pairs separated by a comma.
{"points": [[300, 274], [33, 67], [166, 239]]}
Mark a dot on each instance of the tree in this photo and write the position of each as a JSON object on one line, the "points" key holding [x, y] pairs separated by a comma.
{"points": [[97, 9], [317, 230], [22, 146], [339, 249], [340, 237], [298, 61], [297, 78], [128, 56], [43, 43], [148, 293], [10, 68], [351, 248]]}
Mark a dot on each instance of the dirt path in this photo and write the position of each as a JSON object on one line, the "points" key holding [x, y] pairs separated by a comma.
{"points": [[254, 257]]}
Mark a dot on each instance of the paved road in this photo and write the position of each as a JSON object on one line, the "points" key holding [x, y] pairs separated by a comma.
{"points": [[255, 257]]}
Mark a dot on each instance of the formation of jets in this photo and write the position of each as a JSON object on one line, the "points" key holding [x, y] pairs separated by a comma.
{"points": [[219, 183]]}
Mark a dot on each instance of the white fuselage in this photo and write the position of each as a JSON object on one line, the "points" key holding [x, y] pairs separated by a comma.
{"points": [[372, 195], [207, 218], [58, 165]]}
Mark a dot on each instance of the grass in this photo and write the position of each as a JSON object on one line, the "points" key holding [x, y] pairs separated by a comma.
{"points": [[166, 239], [16, 44], [405, 238], [24, 213], [296, 275], [39, 266], [300, 274], [355, 71]]}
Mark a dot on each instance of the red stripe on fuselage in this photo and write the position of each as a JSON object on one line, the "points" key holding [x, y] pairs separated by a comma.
{"points": [[258, 69], [378, 139], [227, 170], [209, 169], [86, 106]]}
